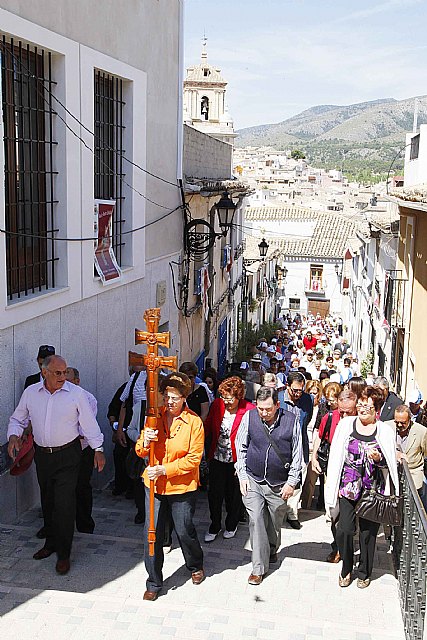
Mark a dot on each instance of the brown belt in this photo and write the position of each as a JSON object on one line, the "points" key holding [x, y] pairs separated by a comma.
{"points": [[53, 449]]}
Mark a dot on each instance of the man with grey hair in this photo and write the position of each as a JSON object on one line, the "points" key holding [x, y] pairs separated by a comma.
{"points": [[59, 412], [269, 455], [411, 444], [391, 400]]}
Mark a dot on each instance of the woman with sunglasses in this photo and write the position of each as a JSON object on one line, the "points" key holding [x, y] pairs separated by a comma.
{"points": [[361, 447], [178, 447], [221, 427]]}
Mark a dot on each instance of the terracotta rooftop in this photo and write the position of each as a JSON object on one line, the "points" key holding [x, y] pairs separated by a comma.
{"points": [[323, 234]]}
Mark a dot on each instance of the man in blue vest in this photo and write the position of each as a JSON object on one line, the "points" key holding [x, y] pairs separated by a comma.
{"points": [[269, 455], [300, 403]]}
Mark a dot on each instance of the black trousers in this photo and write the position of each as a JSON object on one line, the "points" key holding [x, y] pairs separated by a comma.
{"points": [[346, 528], [57, 475], [181, 507], [84, 521], [122, 482], [223, 486]]}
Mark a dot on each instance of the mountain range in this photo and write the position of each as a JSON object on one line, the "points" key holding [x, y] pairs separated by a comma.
{"points": [[365, 134]]}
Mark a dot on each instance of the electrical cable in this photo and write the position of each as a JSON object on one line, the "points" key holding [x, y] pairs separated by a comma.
{"points": [[106, 146], [87, 239]]}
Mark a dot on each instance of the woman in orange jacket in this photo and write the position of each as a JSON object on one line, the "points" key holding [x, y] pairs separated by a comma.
{"points": [[178, 447]]}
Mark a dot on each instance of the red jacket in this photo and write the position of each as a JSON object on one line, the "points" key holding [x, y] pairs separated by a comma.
{"points": [[214, 420], [309, 344]]}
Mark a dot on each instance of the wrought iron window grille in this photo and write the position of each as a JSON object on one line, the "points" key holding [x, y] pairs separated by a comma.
{"points": [[109, 151], [30, 204]]}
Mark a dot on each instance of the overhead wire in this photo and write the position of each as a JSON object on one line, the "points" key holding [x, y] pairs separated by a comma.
{"points": [[85, 239]]}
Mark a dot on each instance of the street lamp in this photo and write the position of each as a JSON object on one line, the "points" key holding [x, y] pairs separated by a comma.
{"points": [[263, 248], [225, 209], [338, 269]]}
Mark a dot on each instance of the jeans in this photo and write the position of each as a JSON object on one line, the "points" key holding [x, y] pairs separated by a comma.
{"points": [[181, 507]]}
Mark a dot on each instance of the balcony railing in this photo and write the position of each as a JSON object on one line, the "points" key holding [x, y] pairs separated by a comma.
{"points": [[410, 558], [395, 298]]}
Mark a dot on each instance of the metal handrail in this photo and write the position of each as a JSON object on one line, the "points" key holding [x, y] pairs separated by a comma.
{"points": [[410, 558]]}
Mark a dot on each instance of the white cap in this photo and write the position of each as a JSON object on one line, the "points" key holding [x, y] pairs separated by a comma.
{"points": [[244, 365], [415, 397], [262, 345], [271, 349]]}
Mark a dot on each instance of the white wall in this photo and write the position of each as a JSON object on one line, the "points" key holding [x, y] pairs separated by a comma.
{"points": [[90, 325]]}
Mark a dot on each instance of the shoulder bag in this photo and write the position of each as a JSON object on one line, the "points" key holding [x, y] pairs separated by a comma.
{"points": [[325, 446], [373, 506]]}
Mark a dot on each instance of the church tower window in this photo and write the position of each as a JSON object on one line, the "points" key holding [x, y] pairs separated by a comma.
{"points": [[204, 110]]}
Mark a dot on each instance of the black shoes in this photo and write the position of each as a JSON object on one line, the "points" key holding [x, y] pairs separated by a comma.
{"points": [[295, 524]]}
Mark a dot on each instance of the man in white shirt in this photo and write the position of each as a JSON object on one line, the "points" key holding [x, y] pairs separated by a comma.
{"points": [[59, 412]]}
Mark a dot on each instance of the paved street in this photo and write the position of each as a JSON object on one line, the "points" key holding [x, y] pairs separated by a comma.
{"points": [[101, 598]]}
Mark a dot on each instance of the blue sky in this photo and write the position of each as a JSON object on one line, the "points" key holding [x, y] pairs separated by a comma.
{"points": [[283, 56]]}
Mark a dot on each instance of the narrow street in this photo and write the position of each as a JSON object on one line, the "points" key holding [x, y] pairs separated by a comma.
{"points": [[101, 597]]}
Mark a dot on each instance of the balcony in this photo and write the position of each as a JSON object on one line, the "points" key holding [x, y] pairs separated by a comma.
{"points": [[395, 298], [315, 287]]}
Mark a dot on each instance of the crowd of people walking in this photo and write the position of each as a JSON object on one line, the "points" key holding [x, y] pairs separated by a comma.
{"points": [[293, 423]]}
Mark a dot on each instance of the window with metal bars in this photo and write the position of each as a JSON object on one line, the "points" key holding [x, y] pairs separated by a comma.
{"points": [[109, 151], [30, 205]]}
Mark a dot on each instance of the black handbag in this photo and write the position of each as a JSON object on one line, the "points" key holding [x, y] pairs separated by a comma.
{"points": [[325, 446], [375, 507]]}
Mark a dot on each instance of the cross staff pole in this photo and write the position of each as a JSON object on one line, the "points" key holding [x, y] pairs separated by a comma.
{"points": [[153, 363]]}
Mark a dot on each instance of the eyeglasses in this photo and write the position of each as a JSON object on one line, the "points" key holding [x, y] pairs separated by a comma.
{"points": [[367, 407], [47, 347], [172, 399], [227, 399], [299, 391], [399, 423], [57, 374]]}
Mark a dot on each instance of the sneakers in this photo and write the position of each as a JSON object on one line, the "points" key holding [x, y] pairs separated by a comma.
{"points": [[210, 537], [229, 534]]}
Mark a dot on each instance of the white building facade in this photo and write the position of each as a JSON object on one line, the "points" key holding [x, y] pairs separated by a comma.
{"points": [[107, 112]]}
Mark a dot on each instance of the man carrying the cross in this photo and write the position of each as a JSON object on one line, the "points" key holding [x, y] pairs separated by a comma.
{"points": [[178, 447]]}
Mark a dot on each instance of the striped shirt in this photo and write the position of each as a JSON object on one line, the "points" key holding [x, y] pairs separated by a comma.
{"points": [[243, 443]]}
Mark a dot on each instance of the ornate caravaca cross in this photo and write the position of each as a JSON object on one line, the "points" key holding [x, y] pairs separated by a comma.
{"points": [[153, 362]]}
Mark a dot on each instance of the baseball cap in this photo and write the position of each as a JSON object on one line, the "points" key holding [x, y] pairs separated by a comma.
{"points": [[244, 365], [323, 338], [309, 352], [271, 349], [278, 356], [415, 397], [45, 350], [262, 345]]}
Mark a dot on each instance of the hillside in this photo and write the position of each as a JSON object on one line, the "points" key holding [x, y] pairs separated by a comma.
{"points": [[363, 136]]}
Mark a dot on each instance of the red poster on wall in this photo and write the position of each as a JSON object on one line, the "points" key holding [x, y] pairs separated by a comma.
{"points": [[105, 260]]}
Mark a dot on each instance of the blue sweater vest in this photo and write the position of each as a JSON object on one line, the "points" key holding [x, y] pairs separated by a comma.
{"points": [[262, 462]]}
